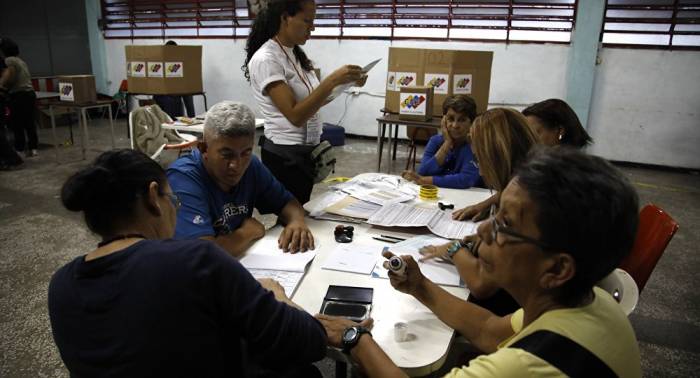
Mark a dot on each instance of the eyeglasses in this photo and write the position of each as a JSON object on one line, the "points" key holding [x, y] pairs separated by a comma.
{"points": [[174, 199], [497, 228]]}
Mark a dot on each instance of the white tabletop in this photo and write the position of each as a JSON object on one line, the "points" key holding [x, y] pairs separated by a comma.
{"points": [[427, 347], [198, 127]]}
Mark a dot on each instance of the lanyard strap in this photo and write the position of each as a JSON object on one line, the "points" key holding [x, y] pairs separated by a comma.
{"points": [[302, 77]]}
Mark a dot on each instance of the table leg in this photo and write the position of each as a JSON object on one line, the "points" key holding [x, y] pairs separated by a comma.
{"points": [[205, 102], [396, 139], [128, 121], [388, 155], [111, 124], [380, 140], [53, 130], [83, 126]]}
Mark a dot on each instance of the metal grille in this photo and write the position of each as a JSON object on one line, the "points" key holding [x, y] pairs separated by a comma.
{"points": [[490, 20], [667, 24]]}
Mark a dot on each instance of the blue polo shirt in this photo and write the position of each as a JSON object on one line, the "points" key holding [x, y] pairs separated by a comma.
{"points": [[209, 211]]}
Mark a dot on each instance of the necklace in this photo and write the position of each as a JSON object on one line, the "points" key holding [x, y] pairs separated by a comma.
{"points": [[119, 237]]}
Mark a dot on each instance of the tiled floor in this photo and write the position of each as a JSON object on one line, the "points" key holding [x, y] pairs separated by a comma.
{"points": [[37, 236]]}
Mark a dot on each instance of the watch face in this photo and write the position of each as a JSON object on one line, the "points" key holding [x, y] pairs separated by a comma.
{"points": [[349, 334]]}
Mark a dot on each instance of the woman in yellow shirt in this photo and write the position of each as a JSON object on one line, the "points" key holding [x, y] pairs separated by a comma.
{"points": [[564, 222]]}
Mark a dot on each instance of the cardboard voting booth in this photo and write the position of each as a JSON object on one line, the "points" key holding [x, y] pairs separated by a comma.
{"points": [[165, 70], [78, 89], [446, 71]]}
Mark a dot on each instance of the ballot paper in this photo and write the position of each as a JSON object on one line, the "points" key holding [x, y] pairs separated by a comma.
{"points": [[354, 258], [439, 222], [378, 195], [265, 254], [342, 88], [441, 273], [353, 207]]}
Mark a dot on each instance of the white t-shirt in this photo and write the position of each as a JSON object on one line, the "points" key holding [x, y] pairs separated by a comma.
{"points": [[270, 64]]}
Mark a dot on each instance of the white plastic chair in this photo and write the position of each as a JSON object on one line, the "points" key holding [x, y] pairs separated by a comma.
{"points": [[190, 140], [622, 288]]}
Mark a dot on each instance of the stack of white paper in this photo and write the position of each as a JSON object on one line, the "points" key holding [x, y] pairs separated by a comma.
{"points": [[265, 254], [354, 258], [438, 222]]}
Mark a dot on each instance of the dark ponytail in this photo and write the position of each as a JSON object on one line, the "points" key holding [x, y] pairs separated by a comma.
{"points": [[267, 25], [107, 190]]}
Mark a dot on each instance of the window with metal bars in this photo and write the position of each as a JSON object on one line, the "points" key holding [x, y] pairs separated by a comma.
{"points": [[489, 20], [668, 24]]}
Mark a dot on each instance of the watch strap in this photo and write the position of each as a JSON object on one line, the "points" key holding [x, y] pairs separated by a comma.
{"points": [[360, 330]]}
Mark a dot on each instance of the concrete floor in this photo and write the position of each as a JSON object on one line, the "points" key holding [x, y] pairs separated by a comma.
{"points": [[37, 236]]}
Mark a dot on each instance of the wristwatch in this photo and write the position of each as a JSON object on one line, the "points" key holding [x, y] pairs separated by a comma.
{"points": [[453, 248], [351, 336]]}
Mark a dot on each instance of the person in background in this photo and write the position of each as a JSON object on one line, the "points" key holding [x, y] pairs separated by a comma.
{"points": [[555, 123], [141, 304], [9, 159], [222, 181], [501, 140], [16, 82], [544, 247], [288, 92], [448, 161], [172, 105]]}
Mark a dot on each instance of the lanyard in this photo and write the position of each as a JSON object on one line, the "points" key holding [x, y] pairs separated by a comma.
{"points": [[303, 78]]}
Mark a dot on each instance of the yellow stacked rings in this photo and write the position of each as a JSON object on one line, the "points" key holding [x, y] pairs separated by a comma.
{"points": [[428, 192]]}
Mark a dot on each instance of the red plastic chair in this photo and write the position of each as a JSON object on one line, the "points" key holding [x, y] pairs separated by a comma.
{"points": [[656, 228]]}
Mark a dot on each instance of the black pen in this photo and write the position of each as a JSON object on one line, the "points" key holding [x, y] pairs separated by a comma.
{"points": [[392, 237], [385, 240]]}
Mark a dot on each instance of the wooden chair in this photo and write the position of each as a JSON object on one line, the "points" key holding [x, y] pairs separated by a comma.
{"points": [[656, 228]]}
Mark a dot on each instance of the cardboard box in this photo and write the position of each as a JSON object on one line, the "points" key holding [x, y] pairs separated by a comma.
{"points": [[447, 71], [77, 88], [416, 103], [166, 70]]}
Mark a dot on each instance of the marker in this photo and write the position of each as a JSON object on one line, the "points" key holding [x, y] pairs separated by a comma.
{"points": [[392, 237], [385, 240]]}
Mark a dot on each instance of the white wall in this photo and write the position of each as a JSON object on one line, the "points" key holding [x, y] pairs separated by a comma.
{"points": [[644, 108]]}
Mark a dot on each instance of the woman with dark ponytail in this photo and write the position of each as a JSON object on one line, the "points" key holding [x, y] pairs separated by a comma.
{"points": [[287, 90], [141, 304]]}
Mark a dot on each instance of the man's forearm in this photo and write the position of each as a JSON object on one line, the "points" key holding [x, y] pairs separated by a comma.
{"points": [[373, 360], [237, 242], [292, 212], [467, 318]]}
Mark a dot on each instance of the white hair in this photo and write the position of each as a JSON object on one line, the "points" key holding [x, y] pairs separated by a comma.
{"points": [[229, 118]]}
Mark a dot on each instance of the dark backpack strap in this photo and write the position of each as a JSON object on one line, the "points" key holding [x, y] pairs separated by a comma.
{"points": [[564, 354]]}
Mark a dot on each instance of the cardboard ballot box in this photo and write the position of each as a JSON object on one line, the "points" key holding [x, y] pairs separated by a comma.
{"points": [[166, 70], [446, 71], [77, 88], [416, 103]]}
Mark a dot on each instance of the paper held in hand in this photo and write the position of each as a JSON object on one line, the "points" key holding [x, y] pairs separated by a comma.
{"points": [[342, 88], [439, 222]]}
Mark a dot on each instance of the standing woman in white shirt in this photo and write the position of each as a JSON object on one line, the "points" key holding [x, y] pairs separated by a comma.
{"points": [[288, 92]]}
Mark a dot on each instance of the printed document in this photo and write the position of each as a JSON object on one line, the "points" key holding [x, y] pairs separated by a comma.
{"points": [[354, 258], [439, 222]]}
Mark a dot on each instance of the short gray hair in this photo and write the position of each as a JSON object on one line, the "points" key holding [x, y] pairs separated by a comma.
{"points": [[229, 118]]}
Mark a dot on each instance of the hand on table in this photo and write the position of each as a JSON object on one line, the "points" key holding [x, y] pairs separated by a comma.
{"points": [[336, 325], [296, 237], [412, 176], [474, 213], [411, 280], [433, 251]]}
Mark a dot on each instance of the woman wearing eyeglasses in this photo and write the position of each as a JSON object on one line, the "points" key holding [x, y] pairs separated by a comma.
{"points": [[140, 304], [288, 91], [564, 221], [501, 139]]}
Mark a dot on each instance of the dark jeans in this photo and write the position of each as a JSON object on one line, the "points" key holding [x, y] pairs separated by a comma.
{"points": [[172, 105], [291, 176], [8, 155], [22, 107]]}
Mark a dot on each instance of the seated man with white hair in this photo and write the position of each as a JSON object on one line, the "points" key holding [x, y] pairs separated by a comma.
{"points": [[220, 183]]}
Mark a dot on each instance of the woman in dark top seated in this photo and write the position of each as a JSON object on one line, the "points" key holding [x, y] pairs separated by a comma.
{"points": [[555, 123], [141, 304]]}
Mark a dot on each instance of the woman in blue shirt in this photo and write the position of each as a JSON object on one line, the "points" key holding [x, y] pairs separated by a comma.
{"points": [[448, 161]]}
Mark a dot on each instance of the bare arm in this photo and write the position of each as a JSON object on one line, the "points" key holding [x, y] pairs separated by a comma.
{"points": [[480, 326], [298, 112], [238, 241], [8, 76]]}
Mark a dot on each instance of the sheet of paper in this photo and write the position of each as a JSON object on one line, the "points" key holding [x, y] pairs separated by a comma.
{"points": [[378, 196], [354, 258], [342, 88], [317, 205], [401, 215], [446, 227], [439, 272], [353, 207], [265, 254]]}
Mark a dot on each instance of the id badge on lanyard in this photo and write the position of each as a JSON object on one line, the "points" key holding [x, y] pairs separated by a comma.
{"points": [[313, 129]]}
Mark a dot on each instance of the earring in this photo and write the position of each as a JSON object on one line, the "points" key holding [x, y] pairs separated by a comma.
{"points": [[561, 136]]}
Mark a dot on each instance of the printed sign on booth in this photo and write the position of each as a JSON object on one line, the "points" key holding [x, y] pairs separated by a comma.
{"points": [[155, 69], [174, 69], [439, 81], [463, 84]]}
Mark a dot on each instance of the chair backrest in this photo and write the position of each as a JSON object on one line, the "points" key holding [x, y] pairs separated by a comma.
{"points": [[656, 228], [420, 134]]}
